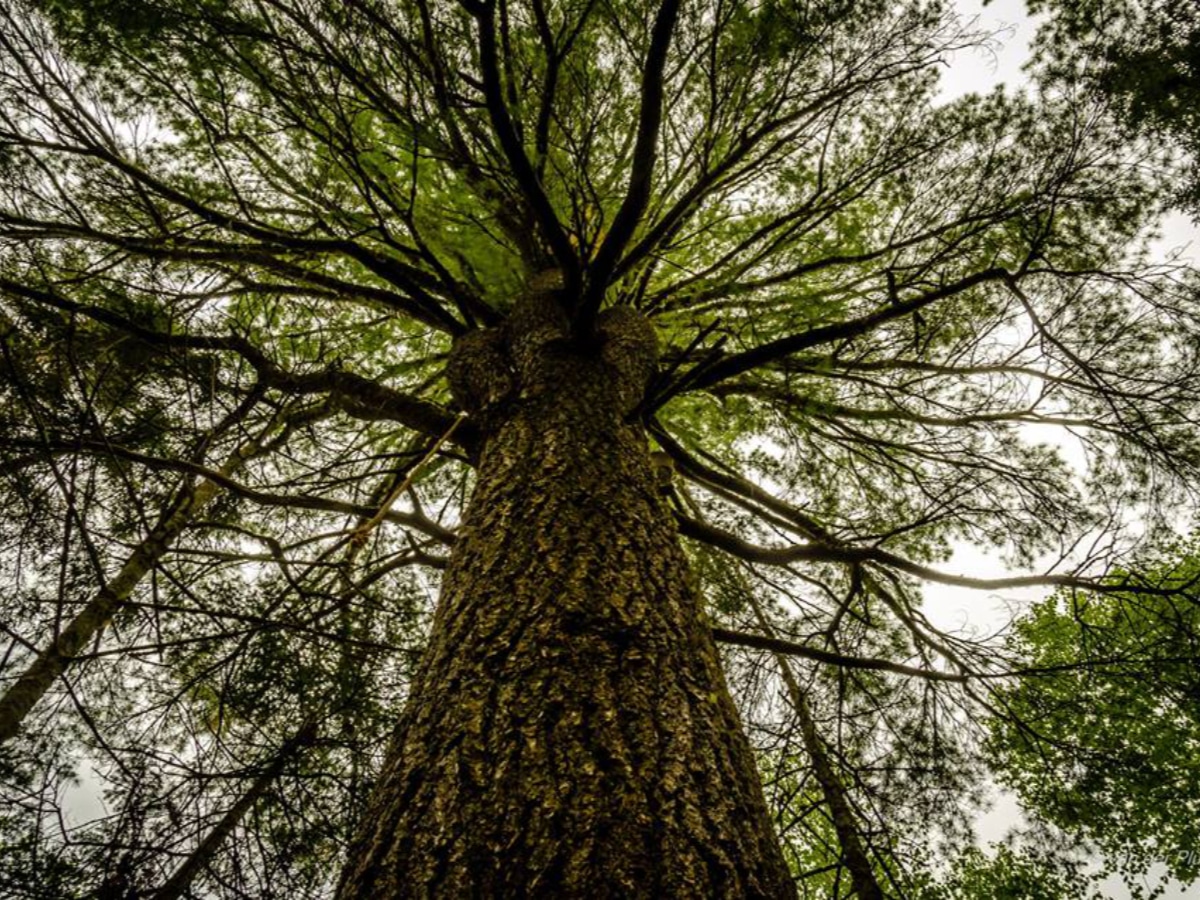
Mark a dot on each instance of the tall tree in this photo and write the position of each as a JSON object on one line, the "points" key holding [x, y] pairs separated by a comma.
{"points": [[505, 298], [1111, 709]]}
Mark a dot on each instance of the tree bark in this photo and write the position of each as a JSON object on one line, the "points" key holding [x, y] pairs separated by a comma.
{"points": [[569, 732]]}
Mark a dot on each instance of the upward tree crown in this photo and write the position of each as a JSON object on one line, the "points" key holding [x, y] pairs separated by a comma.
{"points": [[246, 247]]}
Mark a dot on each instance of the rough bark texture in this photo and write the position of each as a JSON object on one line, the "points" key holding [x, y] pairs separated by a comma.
{"points": [[569, 733]]}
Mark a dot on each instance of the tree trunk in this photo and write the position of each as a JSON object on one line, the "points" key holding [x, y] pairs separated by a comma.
{"points": [[845, 822], [569, 732], [180, 882], [54, 659]]}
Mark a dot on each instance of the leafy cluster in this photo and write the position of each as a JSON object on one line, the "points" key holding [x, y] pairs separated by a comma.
{"points": [[1102, 733], [1142, 57]]}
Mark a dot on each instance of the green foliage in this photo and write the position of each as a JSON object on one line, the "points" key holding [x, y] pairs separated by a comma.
{"points": [[1101, 734], [1012, 873], [1143, 56]]}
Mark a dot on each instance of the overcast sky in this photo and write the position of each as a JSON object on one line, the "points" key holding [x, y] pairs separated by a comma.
{"points": [[980, 71]]}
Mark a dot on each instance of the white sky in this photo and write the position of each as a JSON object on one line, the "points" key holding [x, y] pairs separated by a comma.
{"points": [[979, 71]]}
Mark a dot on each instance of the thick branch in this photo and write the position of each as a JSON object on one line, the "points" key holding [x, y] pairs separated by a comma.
{"points": [[792, 648], [514, 152], [641, 171], [221, 480], [751, 359], [818, 552], [360, 397]]}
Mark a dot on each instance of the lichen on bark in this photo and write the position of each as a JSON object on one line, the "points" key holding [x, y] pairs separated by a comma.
{"points": [[569, 732]]}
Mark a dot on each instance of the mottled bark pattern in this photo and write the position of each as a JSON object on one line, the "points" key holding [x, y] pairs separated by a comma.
{"points": [[569, 733]]}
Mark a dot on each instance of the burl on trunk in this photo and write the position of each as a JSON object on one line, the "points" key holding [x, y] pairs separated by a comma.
{"points": [[569, 732]]}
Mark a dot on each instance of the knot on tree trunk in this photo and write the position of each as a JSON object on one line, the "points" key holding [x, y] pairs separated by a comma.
{"points": [[538, 319], [479, 371], [535, 354], [629, 348]]}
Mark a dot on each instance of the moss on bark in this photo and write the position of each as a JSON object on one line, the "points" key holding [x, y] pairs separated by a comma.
{"points": [[569, 732]]}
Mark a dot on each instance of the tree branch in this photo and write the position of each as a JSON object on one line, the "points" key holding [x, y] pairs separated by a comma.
{"points": [[645, 151], [522, 169], [792, 648], [358, 396], [818, 552], [750, 359]]}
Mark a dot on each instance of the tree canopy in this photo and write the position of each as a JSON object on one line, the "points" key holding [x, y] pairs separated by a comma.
{"points": [[238, 241], [1143, 58]]}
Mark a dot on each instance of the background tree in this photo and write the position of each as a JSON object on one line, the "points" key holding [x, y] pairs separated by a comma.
{"points": [[1108, 709], [286, 282], [1038, 873], [1142, 57]]}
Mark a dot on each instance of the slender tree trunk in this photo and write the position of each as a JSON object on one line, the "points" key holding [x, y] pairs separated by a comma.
{"points": [[862, 876], [845, 823], [23, 694], [54, 658], [569, 732], [180, 881]]}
